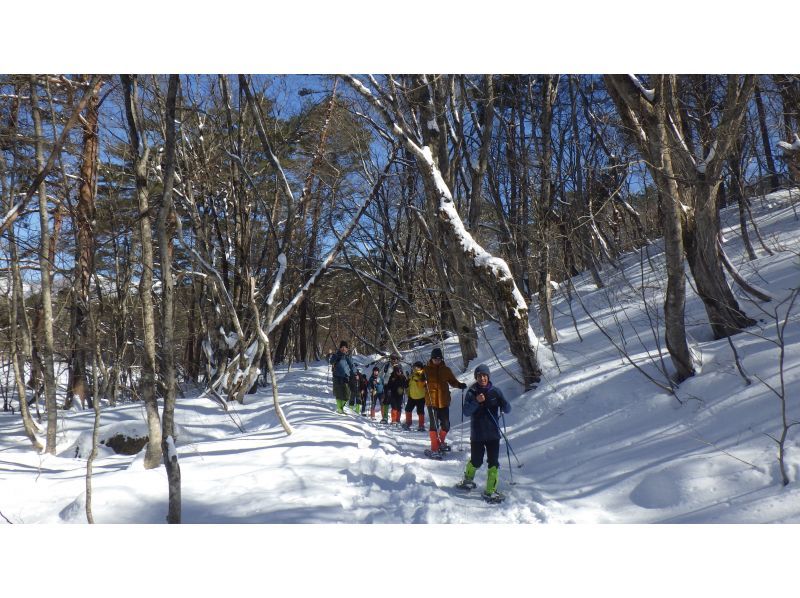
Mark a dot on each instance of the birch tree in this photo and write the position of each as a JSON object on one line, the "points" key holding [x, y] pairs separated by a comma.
{"points": [[140, 153]]}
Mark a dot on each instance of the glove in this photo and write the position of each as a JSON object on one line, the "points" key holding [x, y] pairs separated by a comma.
{"points": [[462, 386]]}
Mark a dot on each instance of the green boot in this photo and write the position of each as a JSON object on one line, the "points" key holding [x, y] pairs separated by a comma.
{"points": [[491, 481], [468, 482], [339, 406]]}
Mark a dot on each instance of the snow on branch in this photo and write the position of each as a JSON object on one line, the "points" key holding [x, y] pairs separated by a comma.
{"points": [[790, 147], [701, 162], [649, 94], [287, 311]]}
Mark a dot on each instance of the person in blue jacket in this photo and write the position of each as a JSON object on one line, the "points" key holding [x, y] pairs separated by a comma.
{"points": [[375, 390], [343, 371], [483, 404]]}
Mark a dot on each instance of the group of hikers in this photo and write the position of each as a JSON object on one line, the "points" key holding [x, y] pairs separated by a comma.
{"points": [[426, 386]]}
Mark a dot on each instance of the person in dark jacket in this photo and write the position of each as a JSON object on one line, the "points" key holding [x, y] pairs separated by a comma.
{"points": [[393, 395], [482, 404], [362, 392], [355, 379], [342, 370]]}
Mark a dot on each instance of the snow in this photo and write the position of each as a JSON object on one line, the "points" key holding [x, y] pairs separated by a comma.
{"points": [[598, 443], [649, 94], [702, 163], [791, 147]]}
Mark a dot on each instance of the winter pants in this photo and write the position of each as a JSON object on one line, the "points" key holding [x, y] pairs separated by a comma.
{"points": [[418, 404], [439, 426], [341, 391], [479, 447], [353, 400], [440, 415]]}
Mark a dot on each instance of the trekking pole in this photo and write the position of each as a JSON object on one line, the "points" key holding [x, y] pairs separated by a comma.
{"points": [[503, 417], [433, 413], [508, 444], [510, 471], [462, 421]]}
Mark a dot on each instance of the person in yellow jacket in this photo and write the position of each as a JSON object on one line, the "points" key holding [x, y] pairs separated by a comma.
{"points": [[439, 379], [416, 396]]}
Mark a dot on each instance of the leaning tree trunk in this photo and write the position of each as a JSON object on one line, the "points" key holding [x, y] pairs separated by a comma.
{"points": [[489, 271], [20, 349], [152, 458], [702, 254]]}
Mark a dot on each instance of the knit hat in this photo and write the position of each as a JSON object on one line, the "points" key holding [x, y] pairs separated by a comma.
{"points": [[418, 364], [481, 369], [437, 352], [344, 344]]}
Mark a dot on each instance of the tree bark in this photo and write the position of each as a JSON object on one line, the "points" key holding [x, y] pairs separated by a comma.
{"points": [[78, 386], [166, 213], [775, 182], [153, 454], [45, 266]]}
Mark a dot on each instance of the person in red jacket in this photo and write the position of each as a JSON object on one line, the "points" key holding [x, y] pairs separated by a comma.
{"points": [[437, 398]]}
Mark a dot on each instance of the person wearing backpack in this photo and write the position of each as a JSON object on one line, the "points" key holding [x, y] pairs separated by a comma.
{"points": [[482, 404], [437, 398], [416, 397], [388, 367], [343, 371]]}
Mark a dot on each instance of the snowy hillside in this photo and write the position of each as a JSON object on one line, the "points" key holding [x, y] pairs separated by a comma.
{"points": [[596, 442]]}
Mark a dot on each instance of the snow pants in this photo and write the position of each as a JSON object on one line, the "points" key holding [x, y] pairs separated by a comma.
{"points": [[480, 447], [418, 404], [341, 392], [440, 415]]}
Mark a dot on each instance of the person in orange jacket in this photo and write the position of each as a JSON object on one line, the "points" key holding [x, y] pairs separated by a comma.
{"points": [[439, 379]]}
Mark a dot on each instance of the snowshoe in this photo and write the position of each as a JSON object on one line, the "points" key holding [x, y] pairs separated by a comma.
{"points": [[405, 427], [494, 498], [384, 421], [421, 429], [433, 454], [445, 448], [466, 484]]}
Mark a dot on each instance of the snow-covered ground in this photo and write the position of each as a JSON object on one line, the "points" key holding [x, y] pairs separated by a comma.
{"points": [[596, 442]]}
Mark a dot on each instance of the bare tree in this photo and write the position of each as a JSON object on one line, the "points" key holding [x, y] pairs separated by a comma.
{"points": [[490, 271], [165, 233], [140, 152]]}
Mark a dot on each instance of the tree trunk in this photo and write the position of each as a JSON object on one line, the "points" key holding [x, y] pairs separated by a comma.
{"points": [[775, 182], [675, 300], [700, 240], [168, 443], [78, 387], [45, 265], [152, 457]]}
